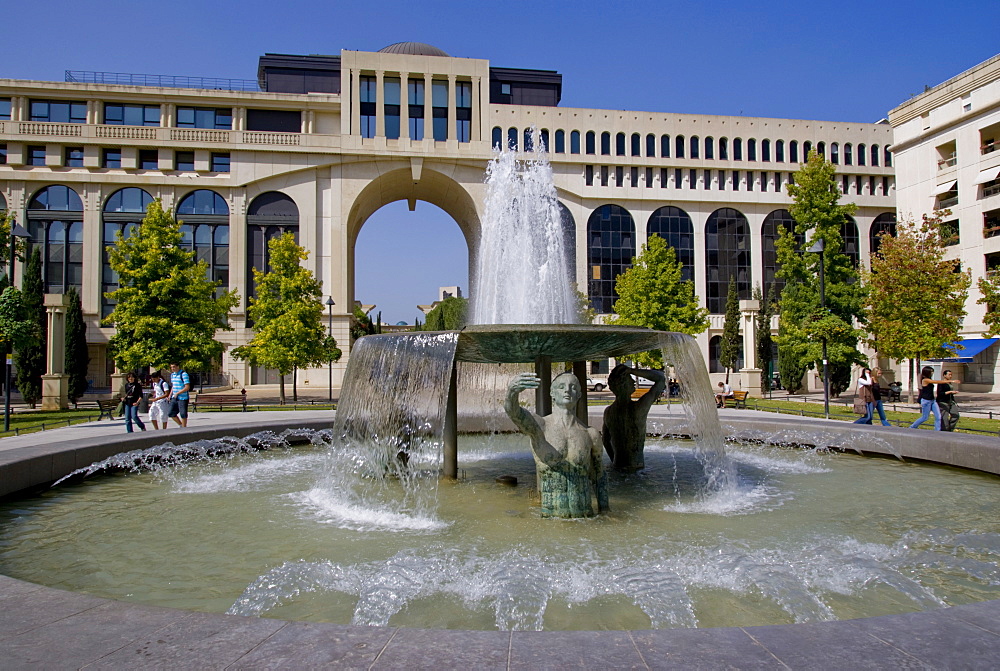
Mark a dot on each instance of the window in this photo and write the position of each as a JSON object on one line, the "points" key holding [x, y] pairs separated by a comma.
{"points": [[848, 153], [512, 139], [610, 249], [651, 145], [664, 146], [835, 153], [737, 149], [5, 109], [149, 159], [368, 99], [439, 109], [779, 151], [674, 225], [590, 139], [505, 89], [679, 146], [861, 154], [727, 254], [415, 100], [636, 144], [664, 178], [692, 178], [750, 179], [649, 177], [204, 117], [270, 215], [463, 112], [774, 223], [544, 140], [678, 177], [220, 162], [58, 111], [122, 213], [529, 140], [884, 224], [131, 115], [707, 180], [497, 138], [589, 175], [821, 149], [605, 144], [620, 144], [709, 148], [55, 221], [73, 157], [184, 161], [574, 142], [390, 97], [874, 150], [3, 154], [633, 176], [619, 175], [561, 142], [887, 157], [806, 148], [36, 155], [723, 149], [274, 121], [736, 180], [111, 158], [793, 151], [765, 150], [604, 175], [849, 234], [751, 149], [204, 217], [694, 146]]}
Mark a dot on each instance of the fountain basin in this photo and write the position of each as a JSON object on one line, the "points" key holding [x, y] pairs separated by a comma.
{"points": [[526, 343]]}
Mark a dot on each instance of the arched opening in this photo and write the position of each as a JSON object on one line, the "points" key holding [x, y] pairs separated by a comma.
{"points": [[270, 215], [849, 232], [774, 224], [610, 249], [727, 254], [674, 225], [884, 224], [204, 217], [55, 221], [122, 213]]}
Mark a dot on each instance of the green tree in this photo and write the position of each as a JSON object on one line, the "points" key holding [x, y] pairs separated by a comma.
{"points": [[803, 324], [586, 314], [989, 289], [763, 339], [77, 354], [362, 324], [16, 324], [448, 315], [731, 342], [29, 358], [287, 313], [651, 293], [167, 309], [916, 297]]}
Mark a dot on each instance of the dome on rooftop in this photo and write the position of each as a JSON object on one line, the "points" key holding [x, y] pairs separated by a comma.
{"points": [[412, 49]]}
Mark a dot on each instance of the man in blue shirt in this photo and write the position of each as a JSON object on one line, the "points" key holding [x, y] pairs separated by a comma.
{"points": [[180, 385]]}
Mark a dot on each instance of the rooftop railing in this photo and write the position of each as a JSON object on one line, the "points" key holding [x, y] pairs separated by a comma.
{"points": [[169, 81]]}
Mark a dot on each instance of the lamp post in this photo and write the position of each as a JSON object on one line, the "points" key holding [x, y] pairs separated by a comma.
{"points": [[16, 231], [817, 248], [329, 305]]}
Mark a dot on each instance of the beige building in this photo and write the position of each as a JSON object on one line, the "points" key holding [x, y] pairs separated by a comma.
{"points": [[319, 143], [947, 146]]}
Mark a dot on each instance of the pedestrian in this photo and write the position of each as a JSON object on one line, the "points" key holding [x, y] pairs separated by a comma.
{"points": [[180, 385], [928, 404], [159, 400], [877, 394], [130, 401], [725, 391], [946, 401], [865, 394]]}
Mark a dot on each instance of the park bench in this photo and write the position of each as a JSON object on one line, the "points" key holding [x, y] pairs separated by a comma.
{"points": [[220, 400], [738, 399], [107, 407]]}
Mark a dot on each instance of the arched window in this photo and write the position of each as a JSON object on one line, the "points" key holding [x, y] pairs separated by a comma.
{"points": [[884, 224], [619, 144], [723, 149], [848, 153], [774, 224], [679, 146], [806, 148], [874, 155], [651, 145], [610, 250], [779, 151], [849, 232], [270, 215], [751, 149], [544, 144], [765, 150], [835, 153], [529, 140], [821, 149], [727, 254], [862, 151], [55, 221], [674, 225], [715, 352], [3, 203], [122, 213], [694, 146], [737, 149], [512, 139], [591, 142], [574, 142], [709, 147], [561, 142], [569, 240], [497, 137], [793, 151], [204, 218], [664, 146], [636, 144], [605, 143], [887, 157]]}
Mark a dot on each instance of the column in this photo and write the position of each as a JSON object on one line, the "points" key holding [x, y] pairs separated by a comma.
{"points": [[428, 107], [477, 110], [750, 374], [240, 118], [379, 103], [404, 105], [55, 382], [452, 109], [355, 103]]}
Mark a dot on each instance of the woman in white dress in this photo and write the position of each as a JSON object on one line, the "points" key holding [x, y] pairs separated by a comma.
{"points": [[159, 401]]}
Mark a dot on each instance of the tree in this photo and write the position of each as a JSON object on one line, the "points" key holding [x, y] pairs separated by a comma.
{"points": [[29, 359], [989, 288], [731, 342], [804, 325], [448, 315], [763, 339], [167, 309], [77, 354], [287, 313], [363, 324], [916, 298], [651, 293], [585, 312], [16, 324]]}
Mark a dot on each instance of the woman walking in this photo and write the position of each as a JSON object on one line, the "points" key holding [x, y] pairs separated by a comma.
{"points": [[159, 400], [946, 402], [877, 395], [865, 394], [133, 394], [928, 404]]}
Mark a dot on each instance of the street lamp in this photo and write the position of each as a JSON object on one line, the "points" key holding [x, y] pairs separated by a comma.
{"points": [[817, 248], [16, 231], [329, 304]]}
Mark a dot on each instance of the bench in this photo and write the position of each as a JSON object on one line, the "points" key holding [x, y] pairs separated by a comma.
{"points": [[738, 399], [220, 401], [107, 408]]}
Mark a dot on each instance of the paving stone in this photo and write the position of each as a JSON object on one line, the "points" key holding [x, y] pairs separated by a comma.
{"points": [[316, 645], [985, 615], [28, 610], [574, 650], [443, 648], [727, 648], [938, 638]]}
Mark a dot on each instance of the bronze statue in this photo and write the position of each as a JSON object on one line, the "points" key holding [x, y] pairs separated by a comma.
{"points": [[625, 420]]}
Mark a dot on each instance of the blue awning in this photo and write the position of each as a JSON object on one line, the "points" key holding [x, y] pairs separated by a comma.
{"points": [[971, 347]]}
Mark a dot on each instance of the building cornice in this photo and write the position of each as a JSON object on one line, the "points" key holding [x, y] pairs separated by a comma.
{"points": [[957, 86]]}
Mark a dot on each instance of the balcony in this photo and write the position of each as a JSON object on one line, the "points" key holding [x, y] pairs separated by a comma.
{"points": [[946, 203], [36, 131], [949, 162]]}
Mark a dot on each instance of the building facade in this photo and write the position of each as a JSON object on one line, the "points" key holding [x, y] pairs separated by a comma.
{"points": [[947, 146], [319, 143]]}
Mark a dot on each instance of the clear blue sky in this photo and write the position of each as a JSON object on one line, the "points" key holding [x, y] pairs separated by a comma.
{"points": [[843, 61]]}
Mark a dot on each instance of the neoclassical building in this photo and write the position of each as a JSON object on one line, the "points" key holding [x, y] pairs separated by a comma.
{"points": [[319, 143]]}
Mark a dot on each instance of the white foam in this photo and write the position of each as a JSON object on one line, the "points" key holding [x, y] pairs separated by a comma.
{"points": [[325, 508], [246, 477]]}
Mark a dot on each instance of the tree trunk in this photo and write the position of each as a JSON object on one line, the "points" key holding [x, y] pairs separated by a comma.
{"points": [[295, 390], [281, 389], [909, 383]]}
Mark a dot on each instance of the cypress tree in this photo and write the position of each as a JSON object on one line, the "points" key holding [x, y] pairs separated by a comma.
{"points": [[77, 355], [29, 358], [730, 345]]}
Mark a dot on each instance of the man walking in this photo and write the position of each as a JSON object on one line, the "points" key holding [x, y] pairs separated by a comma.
{"points": [[180, 385]]}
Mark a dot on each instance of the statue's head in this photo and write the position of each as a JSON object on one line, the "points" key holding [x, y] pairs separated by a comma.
{"points": [[566, 390], [620, 382]]}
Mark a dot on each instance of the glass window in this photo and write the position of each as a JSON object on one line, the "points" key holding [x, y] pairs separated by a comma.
{"points": [[58, 111], [620, 144], [131, 115], [574, 142], [369, 97], [207, 212], [203, 201], [391, 87], [5, 108], [610, 249], [835, 153], [591, 138], [874, 155], [439, 102], [779, 151], [544, 140], [636, 144], [605, 144], [821, 149], [664, 146], [220, 162], [765, 150], [709, 148], [73, 157], [861, 154], [123, 211], [774, 224], [149, 159], [529, 140], [36, 155], [806, 148], [884, 224], [793, 151], [723, 149], [497, 137], [589, 175], [849, 232], [111, 158], [727, 254], [751, 149], [512, 139], [184, 161], [848, 154], [463, 112], [887, 158], [694, 146], [737, 149], [560, 142], [415, 98], [650, 145], [679, 146], [3, 157], [204, 117], [674, 225], [55, 222]]}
